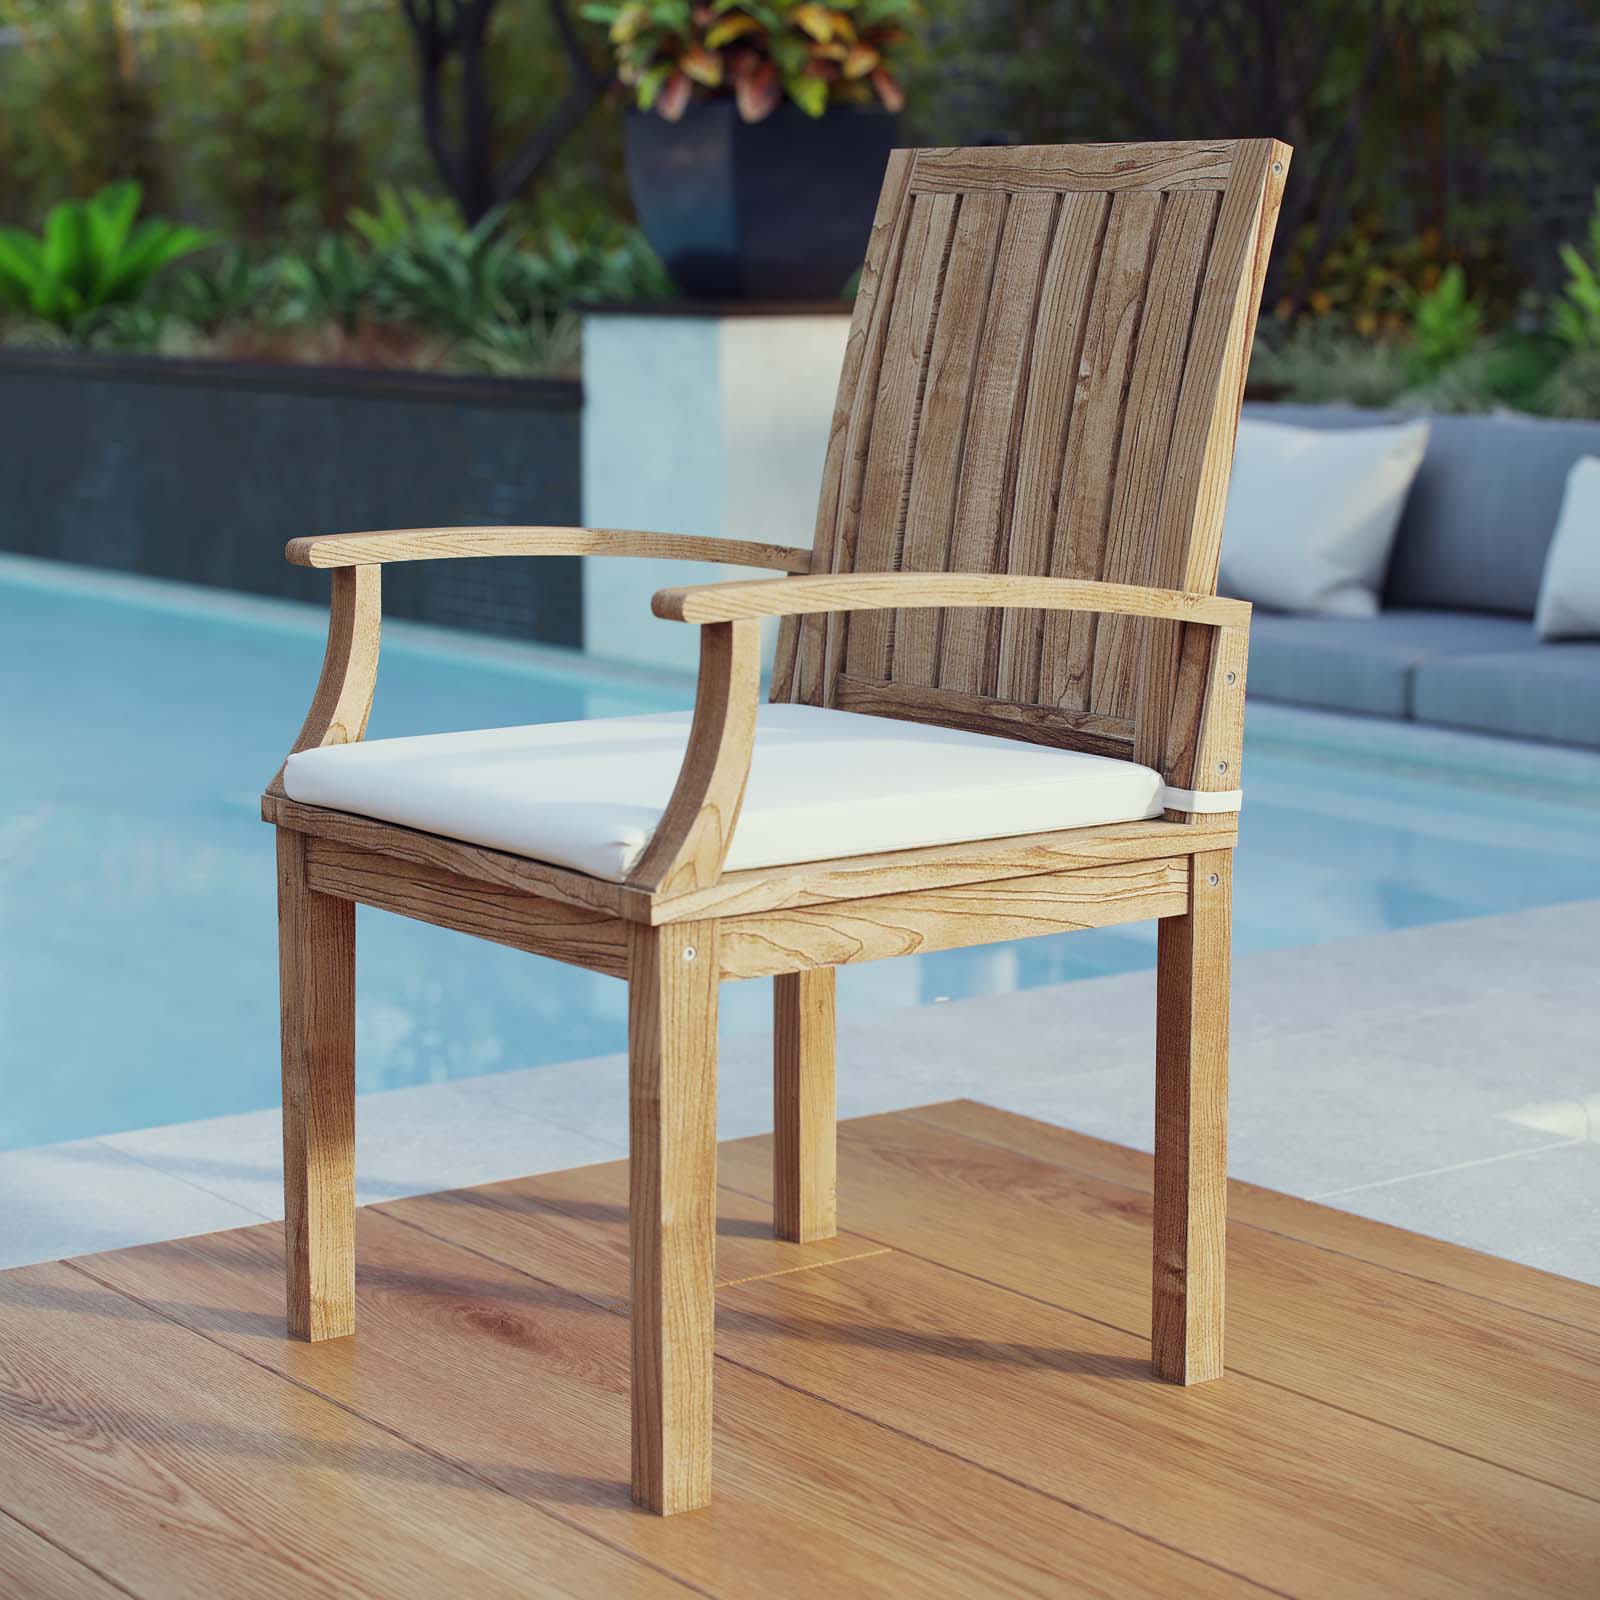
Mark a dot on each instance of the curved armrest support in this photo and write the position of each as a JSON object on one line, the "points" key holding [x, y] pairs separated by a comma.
{"points": [[691, 841], [437, 544], [877, 591], [343, 697]]}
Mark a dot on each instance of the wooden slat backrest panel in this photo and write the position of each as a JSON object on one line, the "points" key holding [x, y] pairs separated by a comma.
{"points": [[1043, 377]]}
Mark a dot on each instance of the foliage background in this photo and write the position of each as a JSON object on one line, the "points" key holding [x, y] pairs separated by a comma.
{"points": [[1430, 135], [263, 119]]}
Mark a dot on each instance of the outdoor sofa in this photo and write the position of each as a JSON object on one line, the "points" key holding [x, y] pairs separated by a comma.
{"points": [[1454, 642]]}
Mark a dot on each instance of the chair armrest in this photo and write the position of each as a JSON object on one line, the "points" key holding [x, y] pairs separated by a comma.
{"points": [[1195, 740], [436, 544], [343, 696], [877, 591], [691, 841]]}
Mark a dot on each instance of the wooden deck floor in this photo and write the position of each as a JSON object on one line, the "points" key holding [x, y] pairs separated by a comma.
{"points": [[950, 1399]]}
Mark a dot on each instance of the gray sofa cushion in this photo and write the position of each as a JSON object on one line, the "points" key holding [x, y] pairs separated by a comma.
{"points": [[1548, 691], [1366, 663], [1483, 508]]}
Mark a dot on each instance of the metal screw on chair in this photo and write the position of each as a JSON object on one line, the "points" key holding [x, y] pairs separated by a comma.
{"points": [[688, 952], [1213, 880], [1231, 678], [1222, 766]]}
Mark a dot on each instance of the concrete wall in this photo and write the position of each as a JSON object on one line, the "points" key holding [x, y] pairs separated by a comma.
{"points": [[201, 471]]}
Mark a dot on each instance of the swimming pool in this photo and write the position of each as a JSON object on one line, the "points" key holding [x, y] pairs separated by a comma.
{"points": [[138, 966]]}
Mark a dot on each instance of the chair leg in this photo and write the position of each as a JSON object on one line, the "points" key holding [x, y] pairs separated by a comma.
{"points": [[1191, 1166], [672, 1202], [804, 1145], [317, 979]]}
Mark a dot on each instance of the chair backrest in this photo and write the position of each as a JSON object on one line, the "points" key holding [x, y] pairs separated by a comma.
{"points": [[1043, 377]]}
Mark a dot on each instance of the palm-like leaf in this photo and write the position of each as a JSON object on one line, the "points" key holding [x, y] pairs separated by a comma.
{"points": [[90, 254]]}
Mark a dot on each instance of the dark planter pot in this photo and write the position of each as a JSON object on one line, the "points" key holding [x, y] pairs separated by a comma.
{"points": [[778, 209]]}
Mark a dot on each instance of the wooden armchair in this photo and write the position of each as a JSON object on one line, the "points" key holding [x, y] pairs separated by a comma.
{"points": [[1014, 574]]}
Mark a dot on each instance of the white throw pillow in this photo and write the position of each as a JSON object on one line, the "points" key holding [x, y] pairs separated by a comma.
{"points": [[1312, 513], [1569, 594]]}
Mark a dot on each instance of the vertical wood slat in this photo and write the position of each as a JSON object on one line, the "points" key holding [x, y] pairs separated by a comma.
{"points": [[1151, 407], [1072, 414], [988, 463], [930, 508], [1188, 534], [897, 419], [1055, 389], [804, 655], [1078, 551]]}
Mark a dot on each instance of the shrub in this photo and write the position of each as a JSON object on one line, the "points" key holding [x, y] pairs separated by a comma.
{"points": [[1322, 365], [1445, 322], [92, 254], [1575, 317], [1573, 389]]}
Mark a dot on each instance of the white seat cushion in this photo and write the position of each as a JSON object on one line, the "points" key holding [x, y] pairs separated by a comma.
{"points": [[822, 783]]}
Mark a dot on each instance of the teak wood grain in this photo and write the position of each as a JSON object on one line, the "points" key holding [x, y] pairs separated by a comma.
{"points": [[672, 1166], [317, 986], [804, 1146], [439, 544], [965, 1415], [475, 1348], [1017, 535], [1191, 1158], [763, 943], [179, 1471]]}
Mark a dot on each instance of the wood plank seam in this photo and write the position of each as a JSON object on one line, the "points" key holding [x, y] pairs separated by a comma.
{"points": [[989, 674], [915, 1114], [1082, 633], [1235, 1369], [986, 303], [619, 1307], [70, 1554], [827, 640], [1029, 627], [465, 1468], [903, 499]]}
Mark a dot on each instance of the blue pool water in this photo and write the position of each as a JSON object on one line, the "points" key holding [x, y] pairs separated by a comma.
{"points": [[138, 972]]}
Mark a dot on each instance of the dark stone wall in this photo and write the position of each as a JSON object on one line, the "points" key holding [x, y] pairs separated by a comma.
{"points": [[202, 470]]}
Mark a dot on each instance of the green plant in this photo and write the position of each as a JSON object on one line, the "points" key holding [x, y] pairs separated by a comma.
{"points": [[1446, 322], [1319, 364], [522, 349], [454, 280], [232, 288], [1573, 389], [335, 282], [1508, 369], [92, 253], [1575, 317], [400, 215], [564, 272], [757, 50]]}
